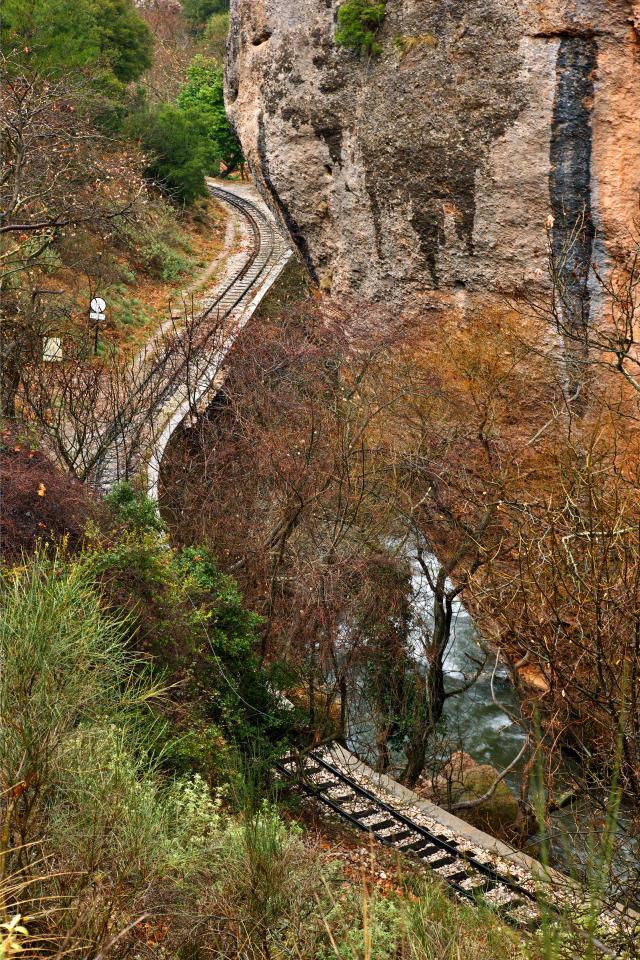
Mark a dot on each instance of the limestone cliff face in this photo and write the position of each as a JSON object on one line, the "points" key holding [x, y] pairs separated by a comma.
{"points": [[430, 171]]}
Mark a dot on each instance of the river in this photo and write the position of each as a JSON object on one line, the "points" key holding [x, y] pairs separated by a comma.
{"points": [[476, 724]]}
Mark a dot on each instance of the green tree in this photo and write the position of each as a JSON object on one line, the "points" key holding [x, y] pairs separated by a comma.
{"points": [[198, 12], [176, 151], [215, 35], [192, 139], [358, 22], [202, 101], [109, 36], [125, 38]]}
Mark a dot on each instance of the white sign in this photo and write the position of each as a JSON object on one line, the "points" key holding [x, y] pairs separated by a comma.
{"points": [[98, 305], [96, 316], [52, 349]]}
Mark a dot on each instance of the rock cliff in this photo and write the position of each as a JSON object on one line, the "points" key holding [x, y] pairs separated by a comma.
{"points": [[430, 171]]}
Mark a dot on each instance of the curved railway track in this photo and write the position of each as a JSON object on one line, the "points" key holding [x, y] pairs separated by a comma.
{"points": [[176, 376]]}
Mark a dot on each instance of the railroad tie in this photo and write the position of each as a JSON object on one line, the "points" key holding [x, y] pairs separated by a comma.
{"points": [[420, 844], [457, 877], [382, 825], [323, 785], [401, 835], [440, 862], [363, 814], [440, 852]]}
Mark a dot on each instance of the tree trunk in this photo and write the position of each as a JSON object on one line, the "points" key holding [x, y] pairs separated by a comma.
{"points": [[9, 390], [431, 699]]}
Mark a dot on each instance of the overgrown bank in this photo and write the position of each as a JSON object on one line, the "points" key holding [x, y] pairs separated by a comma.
{"points": [[138, 815]]}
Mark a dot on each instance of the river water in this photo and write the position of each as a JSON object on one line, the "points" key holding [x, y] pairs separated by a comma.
{"points": [[473, 721], [476, 722], [480, 727]]}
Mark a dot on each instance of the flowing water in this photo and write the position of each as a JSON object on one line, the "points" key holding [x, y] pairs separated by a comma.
{"points": [[473, 718], [489, 725], [476, 721]]}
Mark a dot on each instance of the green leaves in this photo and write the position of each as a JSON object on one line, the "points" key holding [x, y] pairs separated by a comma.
{"points": [[125, 38], [198, 12], [192, 139], [358, 22], [173, 143], [202, 101], [107, 36]]}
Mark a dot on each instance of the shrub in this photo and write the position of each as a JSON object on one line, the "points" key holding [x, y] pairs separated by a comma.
{"points": [[66, 678], [39, 500], [202, 100], [191, 619], [358, 23], [157, 244], [177, 159], [198, 12], [163, 262], [216, 34], [134, 508]]}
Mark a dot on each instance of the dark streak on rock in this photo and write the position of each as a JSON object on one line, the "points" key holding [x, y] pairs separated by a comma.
{"points": [[570, 173], [326, 128], [423, 148], [294, 230]]}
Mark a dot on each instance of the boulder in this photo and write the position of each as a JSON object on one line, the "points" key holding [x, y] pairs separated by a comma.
{"points": [[464, 779]]}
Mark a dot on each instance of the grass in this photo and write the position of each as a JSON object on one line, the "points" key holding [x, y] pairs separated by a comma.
{"points": [[104, 851]]}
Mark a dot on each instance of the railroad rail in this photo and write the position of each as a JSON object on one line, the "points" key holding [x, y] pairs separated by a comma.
{"points": [[466, 871], [476, 871], [177, 376]]}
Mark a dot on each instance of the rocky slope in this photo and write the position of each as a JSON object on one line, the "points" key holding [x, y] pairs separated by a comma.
{"points": [[431, 170]]}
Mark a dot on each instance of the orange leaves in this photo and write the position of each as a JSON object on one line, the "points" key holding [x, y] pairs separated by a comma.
{"points": [[41, 490]]}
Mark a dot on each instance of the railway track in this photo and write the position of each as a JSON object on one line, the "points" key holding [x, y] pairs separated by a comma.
{"points": [[471, 872], [176, 376]]}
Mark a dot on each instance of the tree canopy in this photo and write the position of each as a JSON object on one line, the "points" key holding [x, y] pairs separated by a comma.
{"points": [[108, 36], [176, 158], [198, 12]]}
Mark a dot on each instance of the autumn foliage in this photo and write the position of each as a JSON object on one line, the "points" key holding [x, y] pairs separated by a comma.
{"points": [[40, 502]]}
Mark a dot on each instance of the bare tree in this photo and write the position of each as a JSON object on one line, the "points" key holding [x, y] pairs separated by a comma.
{"points": [[58, 175], [102, 415]]}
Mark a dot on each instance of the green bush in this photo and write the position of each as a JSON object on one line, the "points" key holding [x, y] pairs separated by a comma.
{"points": [[190, 619], [157, 245], [165, 263], [190, 140], [216, 33], [134, 508], [358, 23], [202, 100], [177, 154], [72, 730], [198, 12]]}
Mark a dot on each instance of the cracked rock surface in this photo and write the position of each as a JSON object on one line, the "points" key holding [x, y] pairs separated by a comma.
{"points": [[430, 171]]}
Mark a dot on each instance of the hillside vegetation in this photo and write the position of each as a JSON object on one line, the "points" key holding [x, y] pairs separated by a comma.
{"points": [[156, 662]]}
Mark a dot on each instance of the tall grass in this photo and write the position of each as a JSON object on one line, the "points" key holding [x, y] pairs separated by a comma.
{"points": [[101, 855], [78, 801]]}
